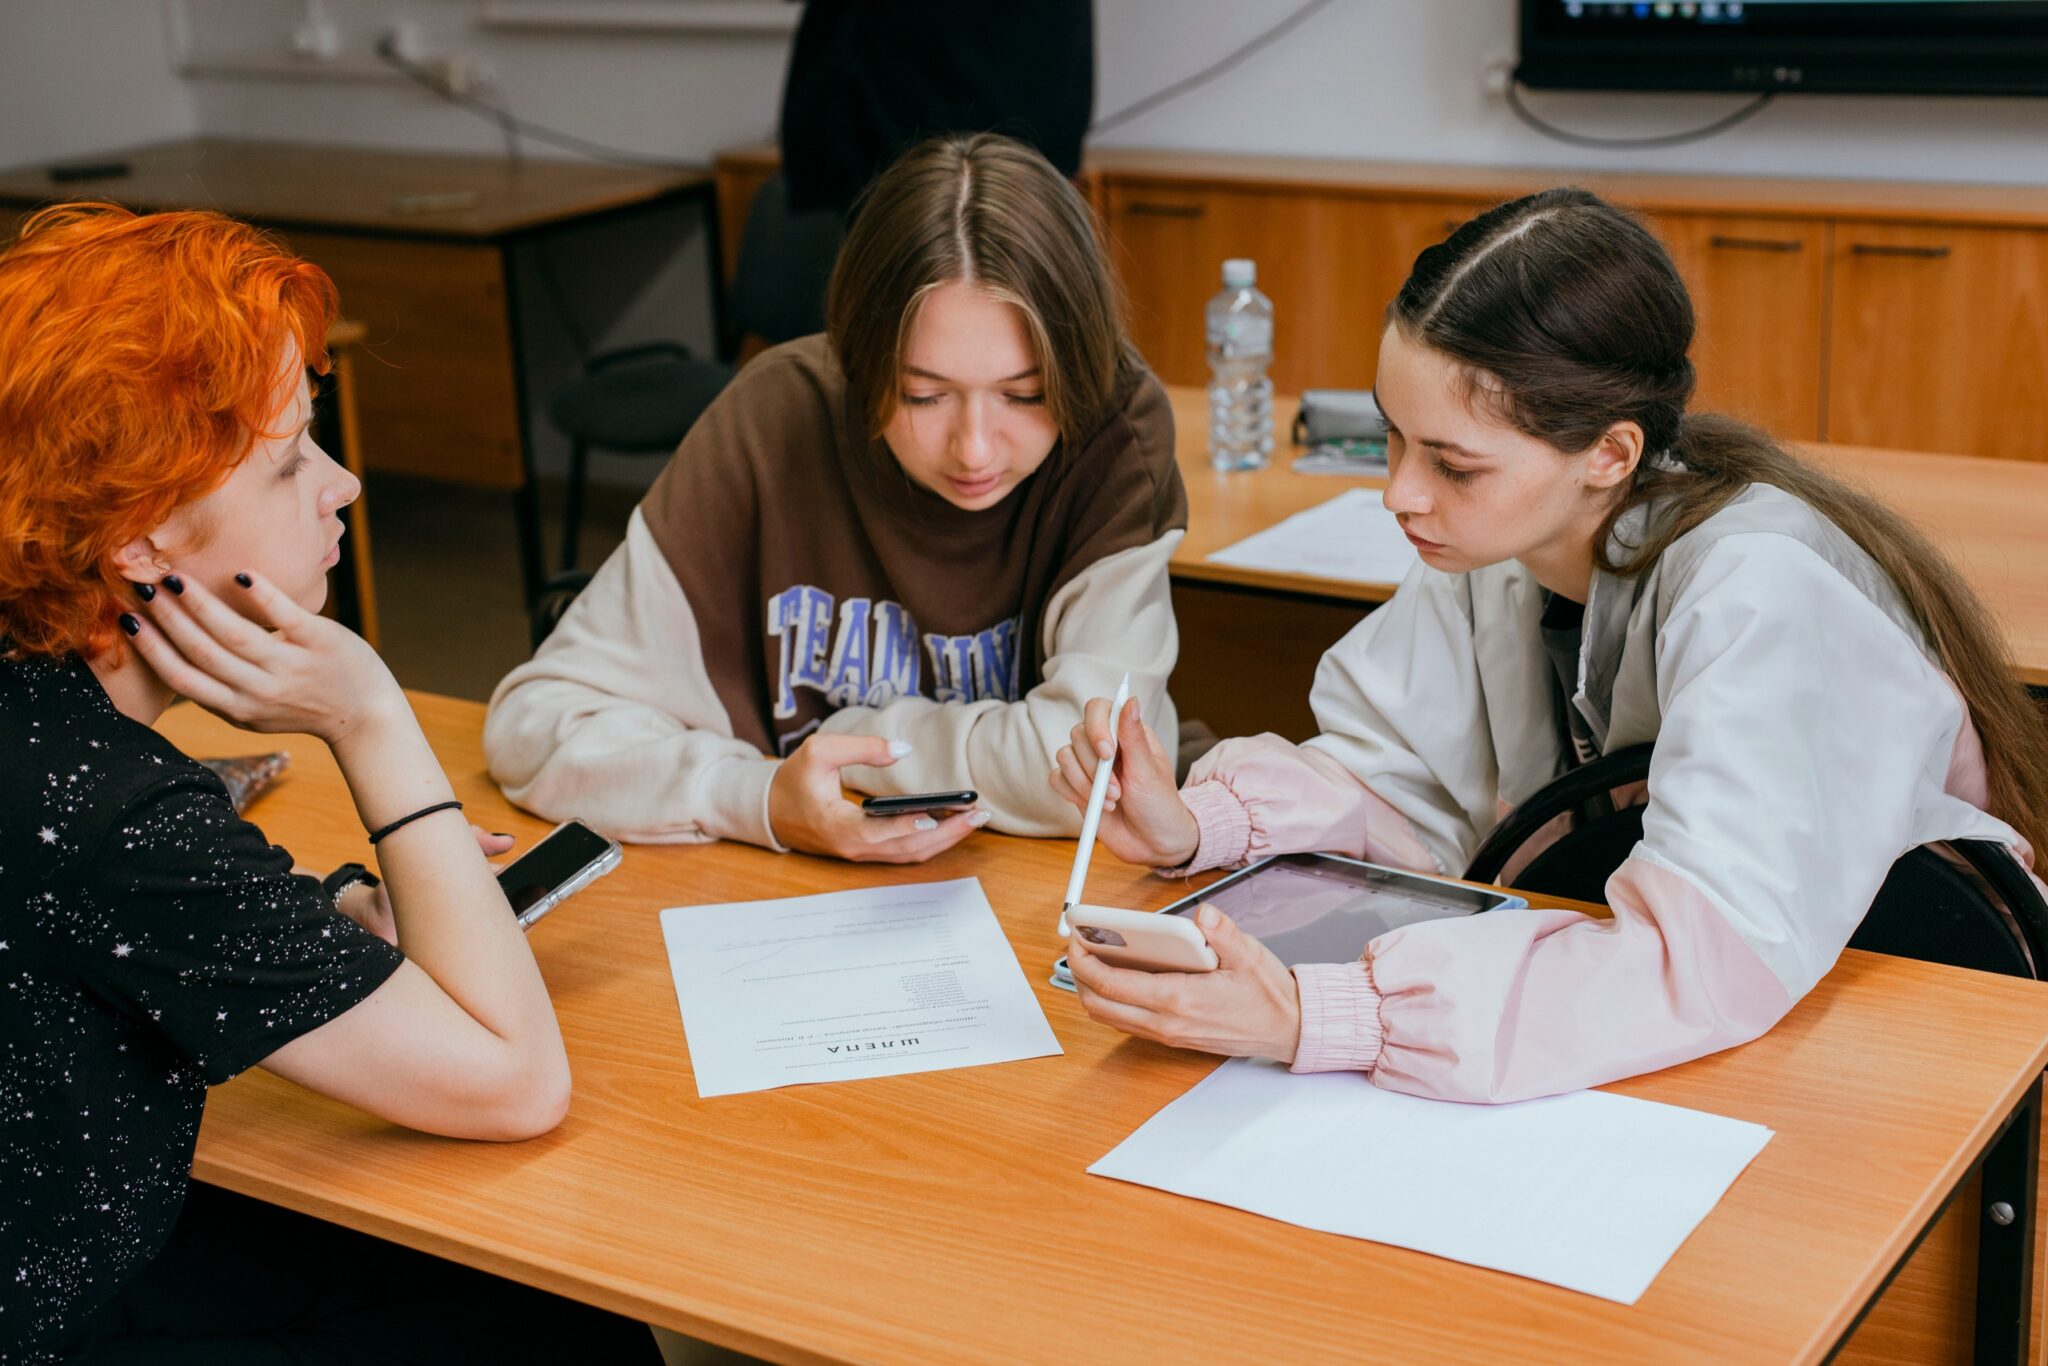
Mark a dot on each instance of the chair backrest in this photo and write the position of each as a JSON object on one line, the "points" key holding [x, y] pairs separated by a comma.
{"points": [[778, 288], [1974, 907], [552, 602]]}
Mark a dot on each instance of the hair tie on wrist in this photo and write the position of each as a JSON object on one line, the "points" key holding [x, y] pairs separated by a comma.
{"points": [[404, 821]]}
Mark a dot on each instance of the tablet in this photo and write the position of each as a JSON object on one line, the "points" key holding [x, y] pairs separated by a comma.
{"points": [[1322, 908]]}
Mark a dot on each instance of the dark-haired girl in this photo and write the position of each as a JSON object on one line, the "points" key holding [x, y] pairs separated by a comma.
{"points": [[1600, 568]]}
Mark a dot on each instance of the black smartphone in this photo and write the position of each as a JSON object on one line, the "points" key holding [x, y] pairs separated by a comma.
{"points": [[910, 803], [571, 858]]}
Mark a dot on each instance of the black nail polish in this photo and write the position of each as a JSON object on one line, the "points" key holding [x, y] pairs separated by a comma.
{"points": [[245, 581], [145, 591], [130, 624], [175, 584]]}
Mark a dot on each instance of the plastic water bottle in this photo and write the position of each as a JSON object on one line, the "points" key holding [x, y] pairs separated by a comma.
{"points": [[1240, 321]]}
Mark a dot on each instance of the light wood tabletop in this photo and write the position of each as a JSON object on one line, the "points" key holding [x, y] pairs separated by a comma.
{"points": [[416, 194], [947, 1216], [1987, 515]]}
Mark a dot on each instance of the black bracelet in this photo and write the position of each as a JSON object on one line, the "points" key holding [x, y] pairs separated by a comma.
{"points": [[404, 821]]}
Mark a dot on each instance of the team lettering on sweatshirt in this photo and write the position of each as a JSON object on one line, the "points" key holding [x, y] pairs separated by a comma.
{"points": [[869, 653]]}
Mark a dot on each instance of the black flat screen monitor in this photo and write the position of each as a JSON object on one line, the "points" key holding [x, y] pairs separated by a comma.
{"points": [[1952, 47]]}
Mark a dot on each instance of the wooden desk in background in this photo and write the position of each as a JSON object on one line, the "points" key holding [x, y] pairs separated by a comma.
{"points": [[1250, 639], [422, 248], [947, 1217]]}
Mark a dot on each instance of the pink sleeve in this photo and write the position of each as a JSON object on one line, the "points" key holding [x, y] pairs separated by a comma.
{"points": [[1513, 1004], [1262, 795]]}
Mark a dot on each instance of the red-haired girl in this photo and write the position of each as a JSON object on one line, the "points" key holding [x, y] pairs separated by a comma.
{"points": [[166, 524]]}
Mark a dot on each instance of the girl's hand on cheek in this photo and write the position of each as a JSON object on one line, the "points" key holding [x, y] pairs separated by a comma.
{"points": [[265, 663]]}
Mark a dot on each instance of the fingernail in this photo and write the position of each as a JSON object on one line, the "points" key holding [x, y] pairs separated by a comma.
{"points": [[145, 591], [130, 624], [1102, 748], [1207, 917], [924, 823], [175, 584], [245, 581], [898, 748], [500, 835], [978, 819]]}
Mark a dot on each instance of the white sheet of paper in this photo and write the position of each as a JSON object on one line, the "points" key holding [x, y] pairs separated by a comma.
{"points": [[1590, 1191], [870, 983], [1352, 536]]}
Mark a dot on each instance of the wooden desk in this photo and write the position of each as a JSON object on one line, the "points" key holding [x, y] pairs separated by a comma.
{"points": [[1988, 515], [947, 1217], [443, 390]]}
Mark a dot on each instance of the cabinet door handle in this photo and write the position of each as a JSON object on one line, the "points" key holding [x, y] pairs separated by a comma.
{"points": [[1780, 244], [1897, 249], [1152, 208]]}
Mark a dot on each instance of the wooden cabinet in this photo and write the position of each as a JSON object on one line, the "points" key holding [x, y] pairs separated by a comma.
{"points": [[1867, 313], [1759, 290], [1329, 263], [1939, 339]]}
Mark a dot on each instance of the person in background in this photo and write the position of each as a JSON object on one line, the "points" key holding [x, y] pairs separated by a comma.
{"points": [[1599, 568], [896, 557], [867, 80], [166, 527]]}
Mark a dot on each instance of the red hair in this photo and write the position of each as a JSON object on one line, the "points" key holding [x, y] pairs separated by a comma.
{"points": [[139, 361]]}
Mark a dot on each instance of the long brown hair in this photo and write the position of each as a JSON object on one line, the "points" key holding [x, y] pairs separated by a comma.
{"points": [[987, 210], [1568, 317]]}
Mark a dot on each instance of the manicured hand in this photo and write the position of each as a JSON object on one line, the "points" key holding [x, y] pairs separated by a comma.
{"points": [[1143, 818], [264, 663], [807, 806], [1249, 1007], [370, 907]]}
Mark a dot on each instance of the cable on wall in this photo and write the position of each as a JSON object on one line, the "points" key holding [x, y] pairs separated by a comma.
{"points": [[1235, 57], [514, 127], [1513, 95]]}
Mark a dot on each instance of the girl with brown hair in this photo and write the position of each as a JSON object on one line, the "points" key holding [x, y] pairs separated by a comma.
{"points": [[1600, 568], [895, 558]]}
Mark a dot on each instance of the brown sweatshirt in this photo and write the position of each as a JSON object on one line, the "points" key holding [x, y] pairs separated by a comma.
{"points": [[784, 575]]}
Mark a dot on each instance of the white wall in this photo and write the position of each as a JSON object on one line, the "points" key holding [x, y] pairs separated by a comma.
{"points": [[1372, 78], [1401, 79], [79, 76], [1398, 79]]}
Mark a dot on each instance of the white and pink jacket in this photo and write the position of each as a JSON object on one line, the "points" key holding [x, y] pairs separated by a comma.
{"points": [[1805, 740]]}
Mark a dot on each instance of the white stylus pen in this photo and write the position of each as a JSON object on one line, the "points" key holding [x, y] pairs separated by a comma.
{"points": [[1082, 851]]}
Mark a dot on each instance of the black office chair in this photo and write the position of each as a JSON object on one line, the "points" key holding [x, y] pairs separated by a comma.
{"points": [[552, 603], [642, 400], [1928, 908]]}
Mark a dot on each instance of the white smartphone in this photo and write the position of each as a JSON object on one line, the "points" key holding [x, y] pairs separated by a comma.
{"points": [[1144, 940], [571, 858]]}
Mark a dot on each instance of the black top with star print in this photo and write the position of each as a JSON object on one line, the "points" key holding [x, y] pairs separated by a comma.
{"points": [[152, 943]]}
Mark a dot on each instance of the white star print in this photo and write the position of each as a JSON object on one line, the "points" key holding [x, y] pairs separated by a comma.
{"points": [[47, 835], [123, 950]]}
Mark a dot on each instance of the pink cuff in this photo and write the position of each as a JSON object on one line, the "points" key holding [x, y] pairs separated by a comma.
{"points": [[1340, 1018], [1225, 828]]}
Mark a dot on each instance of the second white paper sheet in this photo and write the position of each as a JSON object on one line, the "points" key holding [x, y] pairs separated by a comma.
{"points": [[1352, 536], [848, 985], [1591, 1191]]}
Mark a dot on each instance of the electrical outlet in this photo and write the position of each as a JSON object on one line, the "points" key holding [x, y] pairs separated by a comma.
{"points": [[316, 41]]}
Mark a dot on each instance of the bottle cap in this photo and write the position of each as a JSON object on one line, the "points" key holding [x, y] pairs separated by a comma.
{"points": [[1240, 273]]}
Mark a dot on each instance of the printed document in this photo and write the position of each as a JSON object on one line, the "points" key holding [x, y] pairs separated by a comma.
{"points": [[1352, 536], [871, 983], [1590, 1191]]}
